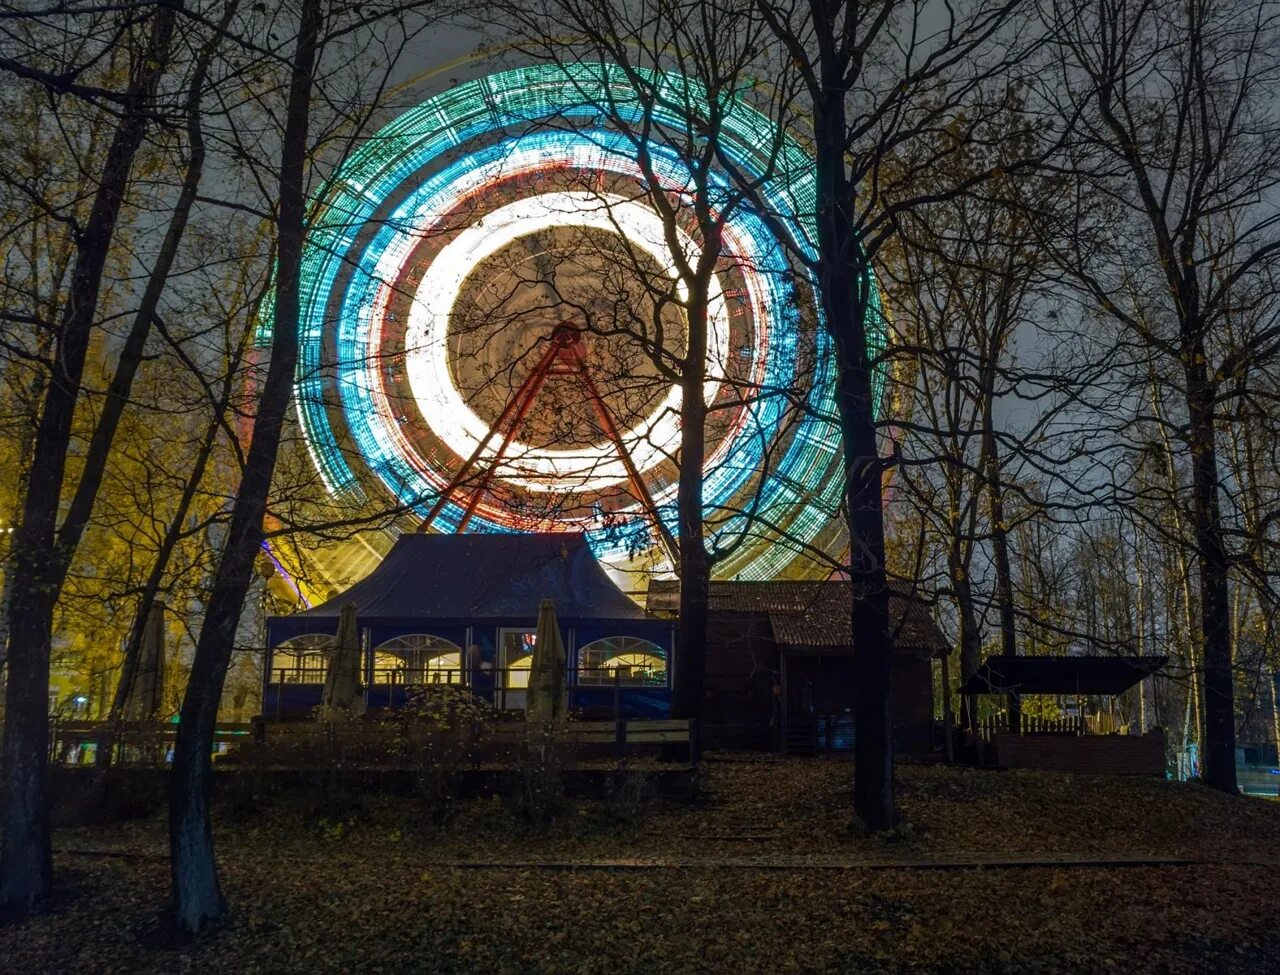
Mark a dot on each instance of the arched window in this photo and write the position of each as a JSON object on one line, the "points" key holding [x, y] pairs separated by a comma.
{"points": [[302, 659], [626, 659], [417, 658]]}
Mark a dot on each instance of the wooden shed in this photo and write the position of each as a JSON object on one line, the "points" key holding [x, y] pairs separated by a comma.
{"points": [[780, 663]]}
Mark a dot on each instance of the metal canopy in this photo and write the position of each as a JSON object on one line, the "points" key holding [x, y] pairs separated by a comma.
{"points": [[1060, 675]]}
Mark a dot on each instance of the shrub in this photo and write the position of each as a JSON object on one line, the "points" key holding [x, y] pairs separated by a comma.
{"points": [[435, 736], [538, 794]]}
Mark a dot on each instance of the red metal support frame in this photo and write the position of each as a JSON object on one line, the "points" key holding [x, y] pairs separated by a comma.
{"points": [[573, 349], [565, 356], [518, 403]]}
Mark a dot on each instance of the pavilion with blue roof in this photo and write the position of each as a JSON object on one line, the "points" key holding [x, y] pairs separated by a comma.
{"points": [[462, 610]]}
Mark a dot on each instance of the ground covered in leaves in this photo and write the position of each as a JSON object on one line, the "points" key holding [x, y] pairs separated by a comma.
{"points": [[990, 872]]}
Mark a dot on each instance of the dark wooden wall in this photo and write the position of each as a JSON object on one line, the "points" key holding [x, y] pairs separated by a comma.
{"points": [[912, 683], [741, 708], [742, 667]]}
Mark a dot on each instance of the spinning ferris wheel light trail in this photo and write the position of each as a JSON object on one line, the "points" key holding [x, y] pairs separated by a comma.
{"points": [[413, 231]]}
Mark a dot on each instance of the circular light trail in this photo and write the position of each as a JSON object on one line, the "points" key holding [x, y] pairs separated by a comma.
{"points": [[419, 207], [427, 358]]}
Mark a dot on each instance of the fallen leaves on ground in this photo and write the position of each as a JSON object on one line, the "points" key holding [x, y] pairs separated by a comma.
{"points": [[378, 889]]}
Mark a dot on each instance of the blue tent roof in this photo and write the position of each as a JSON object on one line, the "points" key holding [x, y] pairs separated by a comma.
{"points": [[479, 577]]}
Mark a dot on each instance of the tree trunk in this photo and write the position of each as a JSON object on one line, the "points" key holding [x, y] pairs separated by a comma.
{"points": [[172, 536], [1140, 594], [1000, 543], [846, 298], [151, 588], [873, 747], [197, 895], [689, 692], [1215, 607], [1273, 682], [1004, 591], [948, 740], [104, 431], [122, 383], [999, 530], [25, 854], [970, 645]]}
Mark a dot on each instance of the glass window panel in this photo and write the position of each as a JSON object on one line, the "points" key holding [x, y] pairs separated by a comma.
{"points": [[418, 658], [629, 660], [517, 657], [302, 659]]}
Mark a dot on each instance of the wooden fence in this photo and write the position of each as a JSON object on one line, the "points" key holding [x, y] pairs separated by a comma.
{"points": [[486, 740], [1105, 754], [1031, 725], [149, 743], [133, 742]]}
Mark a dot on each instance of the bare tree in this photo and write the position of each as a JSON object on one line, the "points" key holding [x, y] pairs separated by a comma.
{"points": [[325, 109], [1177, 130], [878, 78], [197, 895], [710, 51], [39, 560], [971, 284]]}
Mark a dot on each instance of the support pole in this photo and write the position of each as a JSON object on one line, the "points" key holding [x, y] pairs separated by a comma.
{"points": [[573, 350]]}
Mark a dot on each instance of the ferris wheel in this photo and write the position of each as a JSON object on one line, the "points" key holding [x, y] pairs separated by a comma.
{"points": [[490, 316]]}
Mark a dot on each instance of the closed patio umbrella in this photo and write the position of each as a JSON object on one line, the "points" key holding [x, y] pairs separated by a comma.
{"points": [[547, 698], [147, 692], [342, 680]]}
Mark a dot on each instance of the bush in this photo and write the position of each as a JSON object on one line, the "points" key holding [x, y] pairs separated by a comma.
{"points": [[336, 797], [539, 784], [436, 735], [627, 795]]}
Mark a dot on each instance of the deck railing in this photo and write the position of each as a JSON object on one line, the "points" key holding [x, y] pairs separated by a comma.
{"points": [[406, 676], [504, 687], [1031, 724], [131, 742]]}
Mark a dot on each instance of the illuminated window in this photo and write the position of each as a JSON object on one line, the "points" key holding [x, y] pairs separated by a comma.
{"points": [[302, 659], [626, 659], [416, 659], [517, 657]]}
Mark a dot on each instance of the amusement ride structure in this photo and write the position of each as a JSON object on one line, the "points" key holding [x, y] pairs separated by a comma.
{"points": [[487, 330], [565, 356]]}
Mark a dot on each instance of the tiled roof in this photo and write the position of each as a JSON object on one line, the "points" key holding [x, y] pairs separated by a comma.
{"points": [[812, 614]]}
